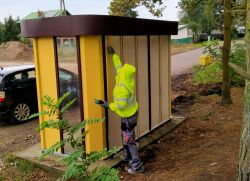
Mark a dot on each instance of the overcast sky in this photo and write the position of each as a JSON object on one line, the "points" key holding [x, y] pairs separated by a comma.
{"points": [[23, 7]]}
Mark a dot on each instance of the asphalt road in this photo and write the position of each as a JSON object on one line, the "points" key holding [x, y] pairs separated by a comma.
{"points": [[184, 61]]}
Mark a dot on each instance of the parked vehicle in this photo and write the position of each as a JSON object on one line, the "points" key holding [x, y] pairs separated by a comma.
{"points": [[18, 96]]}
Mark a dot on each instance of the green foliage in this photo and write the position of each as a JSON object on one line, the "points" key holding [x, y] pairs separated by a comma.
{"points": [[127, 7], [22, 165], [12, 29], [209, 74], [79, 161], [202, 16], [213, 72], [238, 57], [26, 41], [1, 32], [213, 48]]}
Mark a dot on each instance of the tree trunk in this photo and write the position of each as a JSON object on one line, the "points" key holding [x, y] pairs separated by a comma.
{"points": [[226, 81], [244, 160]]}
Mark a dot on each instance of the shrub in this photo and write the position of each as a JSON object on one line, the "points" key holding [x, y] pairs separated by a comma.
{"points": [[79, 161], [210, 74], [213, 73], [238, 57]]}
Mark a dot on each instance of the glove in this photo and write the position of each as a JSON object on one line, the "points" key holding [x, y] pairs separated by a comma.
{"points": [[111, 50], [102, 103]]}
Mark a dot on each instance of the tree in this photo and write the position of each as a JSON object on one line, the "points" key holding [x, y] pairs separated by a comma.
{"points": [[127, 7], [1, 32], [202, 16], [11, 29], [211, 12], [226, 82], [244, 160]]}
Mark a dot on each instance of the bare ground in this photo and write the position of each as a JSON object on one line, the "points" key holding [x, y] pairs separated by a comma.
{"points": [[205, 147]]}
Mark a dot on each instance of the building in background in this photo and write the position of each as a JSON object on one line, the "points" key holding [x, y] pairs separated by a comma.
{"points": [[184, 36]]}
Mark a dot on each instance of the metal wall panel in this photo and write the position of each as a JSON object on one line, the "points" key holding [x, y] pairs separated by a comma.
{"points": [[134, 50], [114, 130], [155, 81], [142, 85], [164, 78], [129, 57]]}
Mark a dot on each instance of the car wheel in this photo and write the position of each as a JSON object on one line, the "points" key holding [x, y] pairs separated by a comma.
{"points": [[20, 112]]}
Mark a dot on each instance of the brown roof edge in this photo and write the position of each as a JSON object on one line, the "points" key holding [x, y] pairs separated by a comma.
{"points": [[77, 25]]}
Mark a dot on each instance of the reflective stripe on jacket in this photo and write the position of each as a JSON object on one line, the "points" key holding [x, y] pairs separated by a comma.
{"points": [[124, 102]]}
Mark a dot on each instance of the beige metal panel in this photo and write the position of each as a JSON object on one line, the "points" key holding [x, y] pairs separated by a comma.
{"points": [[142, 85], [114, 130], [129, 49], [129, 56], [155, 81], [164, 78]]}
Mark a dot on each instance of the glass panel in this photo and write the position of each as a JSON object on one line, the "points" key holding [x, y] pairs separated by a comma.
{"points": [[69, 80]]}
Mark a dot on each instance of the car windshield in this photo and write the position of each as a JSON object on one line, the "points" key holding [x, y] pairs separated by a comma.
{"points": [[64, 76]]}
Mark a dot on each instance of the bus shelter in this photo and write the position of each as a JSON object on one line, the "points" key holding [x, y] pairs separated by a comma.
{"points": [[70, 54]]}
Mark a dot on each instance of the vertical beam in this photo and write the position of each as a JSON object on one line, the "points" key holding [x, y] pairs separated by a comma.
{"points": [[92, 74], [149, 84], [105, 88], [46, 83], [79, 63], [57, 82], [114, 135]]}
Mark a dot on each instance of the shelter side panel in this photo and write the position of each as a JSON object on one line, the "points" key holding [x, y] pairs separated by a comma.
{"points": [[46, 83], [92, 77], [164, 78], [155, 81], [142, 85], [129, 57], [114, 133]]}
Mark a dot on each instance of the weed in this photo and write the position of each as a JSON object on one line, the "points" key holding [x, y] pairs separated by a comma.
{"points": [[22, 165], [209, 74], [206, 117]]}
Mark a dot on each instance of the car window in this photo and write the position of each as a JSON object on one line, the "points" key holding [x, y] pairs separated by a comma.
{"points": [[32, 74], [64, 76], [22, 75]]}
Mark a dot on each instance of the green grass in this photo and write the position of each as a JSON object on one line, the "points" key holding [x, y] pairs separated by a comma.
{"points": [[21, 170]]}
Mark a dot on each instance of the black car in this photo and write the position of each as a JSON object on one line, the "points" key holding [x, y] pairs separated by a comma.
{"points": [[18, 96]]}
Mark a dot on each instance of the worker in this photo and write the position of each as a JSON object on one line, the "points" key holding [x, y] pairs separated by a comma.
{"points": [[124, 104]]}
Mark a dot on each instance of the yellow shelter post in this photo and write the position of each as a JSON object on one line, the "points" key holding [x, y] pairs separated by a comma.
{"points": [[93, 88], [46, 83]]}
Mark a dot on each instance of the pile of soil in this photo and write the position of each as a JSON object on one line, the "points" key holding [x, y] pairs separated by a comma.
{"points": [[15, 50], [184, 92]]}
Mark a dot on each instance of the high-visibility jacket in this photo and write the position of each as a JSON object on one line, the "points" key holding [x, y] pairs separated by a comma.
{"points": [[124, 102]]}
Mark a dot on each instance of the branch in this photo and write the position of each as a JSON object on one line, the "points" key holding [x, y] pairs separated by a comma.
{"points": [[239, 71]]}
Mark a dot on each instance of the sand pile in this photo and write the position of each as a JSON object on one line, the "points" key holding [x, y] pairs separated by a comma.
{"points": [[14, 50]]}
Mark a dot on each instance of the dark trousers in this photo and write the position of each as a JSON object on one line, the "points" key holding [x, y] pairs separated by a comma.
{"points": [[128, 140]]}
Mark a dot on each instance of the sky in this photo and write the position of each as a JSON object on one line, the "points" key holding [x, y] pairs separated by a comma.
{"points": [[23, 7]]}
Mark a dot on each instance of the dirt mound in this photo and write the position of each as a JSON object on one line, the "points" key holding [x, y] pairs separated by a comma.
{"points": [[184, 92], [14, 50]]}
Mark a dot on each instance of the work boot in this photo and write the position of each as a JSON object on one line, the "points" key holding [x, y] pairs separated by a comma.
{"points": [[134, 171], [125, 159]]}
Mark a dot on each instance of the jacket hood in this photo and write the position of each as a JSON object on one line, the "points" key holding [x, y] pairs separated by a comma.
{"points": [[128, 71]]}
